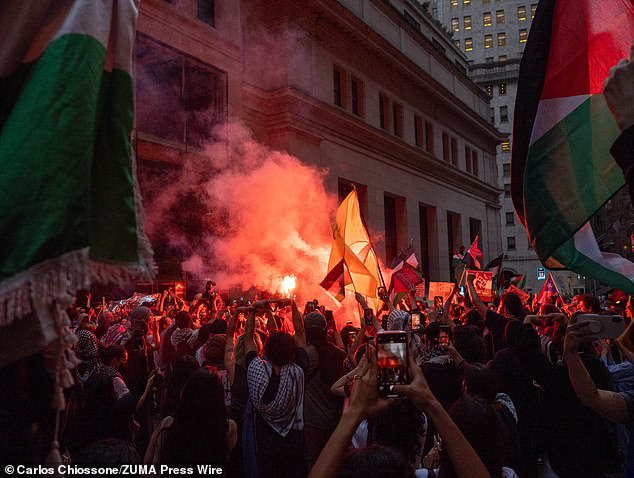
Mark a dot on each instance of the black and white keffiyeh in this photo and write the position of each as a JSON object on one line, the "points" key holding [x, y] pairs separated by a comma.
{"points": [[286, 411]]}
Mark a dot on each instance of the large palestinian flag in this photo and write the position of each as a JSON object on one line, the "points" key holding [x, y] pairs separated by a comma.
{"points": [[562, 170], [69, 209]]}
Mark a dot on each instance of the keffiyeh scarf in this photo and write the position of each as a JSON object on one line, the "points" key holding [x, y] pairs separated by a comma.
{"points": [[286, 411]]}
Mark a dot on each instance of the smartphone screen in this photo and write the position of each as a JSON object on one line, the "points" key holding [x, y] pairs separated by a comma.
{"points": [[391, 351], [415, 321]]}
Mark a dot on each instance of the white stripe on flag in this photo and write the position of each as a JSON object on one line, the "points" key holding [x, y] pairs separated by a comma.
{"points": [[552, 111]]}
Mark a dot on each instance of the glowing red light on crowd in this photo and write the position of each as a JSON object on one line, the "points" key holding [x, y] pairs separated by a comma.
{"points": [[287, 285]]}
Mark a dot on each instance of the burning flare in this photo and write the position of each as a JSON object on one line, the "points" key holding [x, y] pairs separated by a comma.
{"points": [[287, 285]]}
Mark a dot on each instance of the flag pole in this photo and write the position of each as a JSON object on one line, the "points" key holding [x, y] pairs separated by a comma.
{"points": [[378, 265]]}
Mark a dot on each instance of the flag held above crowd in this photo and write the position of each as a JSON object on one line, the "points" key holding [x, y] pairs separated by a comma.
{"points": [[473, 256], [562, 171], [353, 264]]}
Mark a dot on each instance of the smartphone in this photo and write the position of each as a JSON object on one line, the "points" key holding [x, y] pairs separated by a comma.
{"points": [[604, 326], [367, 317], [415, 321], [391, 354], [443, 337]]}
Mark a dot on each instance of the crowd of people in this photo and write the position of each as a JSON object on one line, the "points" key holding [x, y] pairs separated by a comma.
{"points": [[262, 389]]}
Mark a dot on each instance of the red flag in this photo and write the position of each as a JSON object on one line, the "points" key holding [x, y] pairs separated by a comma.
{"points": [[473, 256]]}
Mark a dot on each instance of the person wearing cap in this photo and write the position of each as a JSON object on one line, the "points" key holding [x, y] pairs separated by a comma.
{"points": [[322, 409]]}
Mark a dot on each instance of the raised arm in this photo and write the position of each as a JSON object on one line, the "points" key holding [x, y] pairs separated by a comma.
{"points": [[298, 325], [229, 359], [465, 460], [475, 298], [608, 404], [249, 329]]}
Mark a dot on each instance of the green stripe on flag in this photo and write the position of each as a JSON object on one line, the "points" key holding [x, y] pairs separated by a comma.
{"points": [[581, 264], [570, 174], [46, 148]]}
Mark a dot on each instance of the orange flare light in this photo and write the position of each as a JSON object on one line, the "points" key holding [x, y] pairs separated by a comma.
{"points": [[287, 285]]}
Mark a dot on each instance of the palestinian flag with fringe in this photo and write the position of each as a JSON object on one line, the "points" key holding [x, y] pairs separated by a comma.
{"points": [[69, 208], [562, 170]]}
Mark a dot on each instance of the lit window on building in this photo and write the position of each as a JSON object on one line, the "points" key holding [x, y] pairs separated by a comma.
{"points": [[533, 10], [499, 16], [506, 170], [488, 41], [467, 22], [487, 19], [510, 243], [510, 218], [504, 114], [468, 44], [454, 3], [502, 58], [489, 90], [502, 89], [501, 39], [506, 146], [507, 190], [466, 3], [455, 24], [523, 35], [521, 13]]}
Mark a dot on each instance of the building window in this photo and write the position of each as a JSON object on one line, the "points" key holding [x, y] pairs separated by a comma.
{"points": [[502, 89], [504, 114], [489, 90], [510, 218], [507, 190], [466, 21], [475, 163], [521, 13], [339, 84], [489, 59], [499, 16], [506, 146], [506, 170], [487, 20], [523, 35], [467, 157], [533, 10], [455, 24], [492, 111], [510, 243], [429, 137], [397, 119], [418, 131], [488, 41], [358, 96], [466, 3], [206, 12], [468, 44], [181, 100], [384, 111], [446, 153], [457, 43], [391, 241], [502, 58], [454, 3], [501, 39], [486, 2], [454, 151]]}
